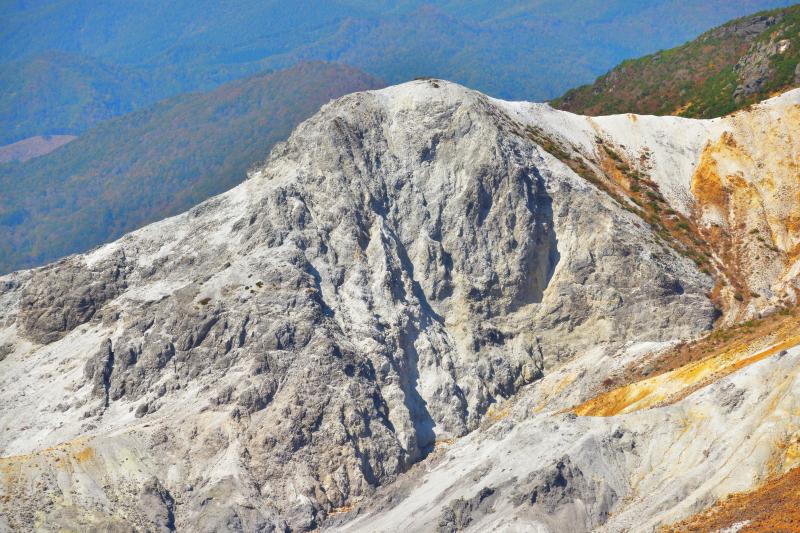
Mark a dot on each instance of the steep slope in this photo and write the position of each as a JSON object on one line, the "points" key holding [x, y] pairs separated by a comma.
{"points": [[723, 192], [538, 470], [393, 325], [156, 162], [725, 69], [116, 57], [403, 263]]}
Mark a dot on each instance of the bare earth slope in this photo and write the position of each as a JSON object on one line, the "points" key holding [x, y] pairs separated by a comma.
{"points": [[384, 328]]}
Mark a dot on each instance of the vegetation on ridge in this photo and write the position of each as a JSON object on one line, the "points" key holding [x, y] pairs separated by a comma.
{"points": [[723, 70], [66, 65]]}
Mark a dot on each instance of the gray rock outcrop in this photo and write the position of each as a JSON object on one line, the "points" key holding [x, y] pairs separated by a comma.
{"points": [[406, 261]]}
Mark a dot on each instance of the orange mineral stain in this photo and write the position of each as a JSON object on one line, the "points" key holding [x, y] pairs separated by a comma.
{"points": [[675, 385]]}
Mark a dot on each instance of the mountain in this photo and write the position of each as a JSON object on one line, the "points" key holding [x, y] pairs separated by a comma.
{"points": [[155, 162], [428, 310], [728, 199], [723, 70], [66, 65], [59, 93]]}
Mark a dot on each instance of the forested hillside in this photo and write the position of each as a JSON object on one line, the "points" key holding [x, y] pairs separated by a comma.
{"points": [[725, 69], [156, 162], [66, 65]]}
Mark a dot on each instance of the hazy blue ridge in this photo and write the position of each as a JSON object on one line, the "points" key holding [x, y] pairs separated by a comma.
{"points": [[156, 162], [116, 56]]}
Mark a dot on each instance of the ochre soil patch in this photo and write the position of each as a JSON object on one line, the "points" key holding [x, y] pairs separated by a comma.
{"points": [[773, 507], [690, 367], [721, 340]]}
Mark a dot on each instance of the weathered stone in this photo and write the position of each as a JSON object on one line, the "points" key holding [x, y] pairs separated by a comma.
{"points": [[64, 295], [157, 505], [308, 336], [458, 515], [5, 350]]}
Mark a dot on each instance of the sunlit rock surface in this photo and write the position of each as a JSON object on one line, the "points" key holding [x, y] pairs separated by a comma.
{"points": [[387, 327]]}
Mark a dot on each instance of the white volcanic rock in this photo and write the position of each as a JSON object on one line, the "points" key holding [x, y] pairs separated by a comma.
{"points": [[555, 472], [405, 265], [674, 144], [736, 175]]}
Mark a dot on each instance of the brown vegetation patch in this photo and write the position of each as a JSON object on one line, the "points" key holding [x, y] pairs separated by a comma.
{"points": [[718, 341], [771, 508]]}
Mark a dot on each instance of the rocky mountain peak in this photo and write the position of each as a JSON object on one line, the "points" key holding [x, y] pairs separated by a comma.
{"points": [[392, 277]]}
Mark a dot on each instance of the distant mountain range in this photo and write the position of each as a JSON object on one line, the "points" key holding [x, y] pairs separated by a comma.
{"points": [[156, 162], [69, 69], [66, 65], [725, 69], [58, 92]]}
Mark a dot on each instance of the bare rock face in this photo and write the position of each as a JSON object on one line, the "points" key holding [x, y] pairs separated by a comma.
{"points": [[564, 485], [754, 69], [158, 505], [60, 297], [459, 514], [749, 27], [408, 260], [5, 349]]}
